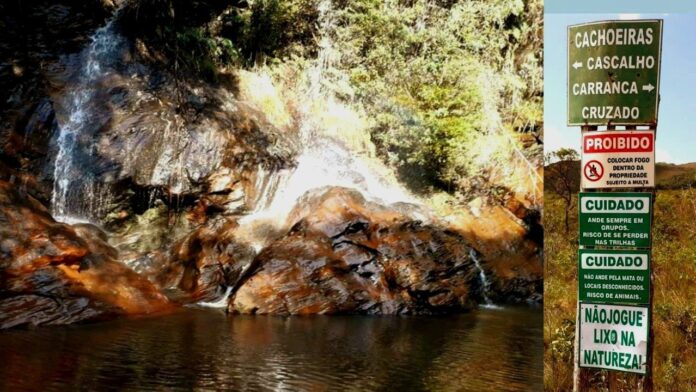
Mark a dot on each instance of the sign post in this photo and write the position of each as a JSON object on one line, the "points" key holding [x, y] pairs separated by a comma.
{"points": [[613, 80]]}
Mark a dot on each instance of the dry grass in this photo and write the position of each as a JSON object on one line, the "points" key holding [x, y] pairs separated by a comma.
{"points": [[674, 264]]}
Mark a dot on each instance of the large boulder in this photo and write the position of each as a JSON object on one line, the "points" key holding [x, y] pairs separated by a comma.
{"points": [[345, 254], [205, 262], [510, 241], [53, 273]]}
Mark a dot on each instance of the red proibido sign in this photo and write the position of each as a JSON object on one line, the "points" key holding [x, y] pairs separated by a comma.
{"points": [[640, 142], [618, 159]]}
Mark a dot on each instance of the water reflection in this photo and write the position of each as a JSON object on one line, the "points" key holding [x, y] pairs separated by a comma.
{"points": [[202, 349]]}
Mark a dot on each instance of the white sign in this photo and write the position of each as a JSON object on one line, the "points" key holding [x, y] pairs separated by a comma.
{"points": [[618, 159], [614, 261], [614, 337], [615, 205]]}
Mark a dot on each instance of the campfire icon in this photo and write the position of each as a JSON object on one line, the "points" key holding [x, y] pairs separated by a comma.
{"points": [[593, 170]]}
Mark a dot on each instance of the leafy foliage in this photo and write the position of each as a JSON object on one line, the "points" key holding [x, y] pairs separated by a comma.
{"points": [[203, 53], [205, 36], [453, 88], [442, 78], [272, 29], [562, 177]]}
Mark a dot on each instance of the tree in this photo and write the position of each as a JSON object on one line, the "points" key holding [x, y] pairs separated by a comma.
{"points": [[562, 175]]}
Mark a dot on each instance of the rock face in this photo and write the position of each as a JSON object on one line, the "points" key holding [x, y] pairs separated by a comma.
{"points": [[146, 134], [510, 245], [347, 255], [179, 162], [52, 273], [36, 33], [204, 262]]}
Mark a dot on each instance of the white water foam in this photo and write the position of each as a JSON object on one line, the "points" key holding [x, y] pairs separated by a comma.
{"points": [[219, 303], [326, 159], [485, 284], [76, 196]]}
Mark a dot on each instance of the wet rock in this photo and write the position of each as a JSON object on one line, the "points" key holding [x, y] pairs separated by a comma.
{"points": [[52, 273], [200, 265], [36, 33], [39, 126], [190, 142], [347, 255], [179, 158], [23, 148], [510, 246], [197, 157], [147, 232], [148, 128], [46, 311]]}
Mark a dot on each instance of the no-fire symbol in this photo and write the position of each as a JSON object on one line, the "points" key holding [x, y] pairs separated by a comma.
{"points": [[593, 170]]}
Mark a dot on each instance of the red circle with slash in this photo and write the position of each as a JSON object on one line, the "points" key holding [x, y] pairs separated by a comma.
{"points": [[593, 170]]}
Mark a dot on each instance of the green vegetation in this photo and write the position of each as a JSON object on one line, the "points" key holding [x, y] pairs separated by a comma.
{"points": [[674, 265], [561, 177], [204, 37], [274, 29], [680, 181], [203, 53], [445, 82], [453, 88]]}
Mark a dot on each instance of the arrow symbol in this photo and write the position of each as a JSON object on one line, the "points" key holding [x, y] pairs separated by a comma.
{"points": [[577, 65], [648, 87]]}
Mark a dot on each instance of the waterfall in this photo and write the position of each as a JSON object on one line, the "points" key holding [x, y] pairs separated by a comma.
{"points": [[77, 195], [326, 126], [219, 303], [485, 284]]}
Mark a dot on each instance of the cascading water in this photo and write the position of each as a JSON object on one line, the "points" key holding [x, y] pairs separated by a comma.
{"points": [[77, 195], [485, 284], [220, 303], [325, 159]]}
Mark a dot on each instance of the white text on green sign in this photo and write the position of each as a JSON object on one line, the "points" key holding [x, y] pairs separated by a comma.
{"points": [[613, 72], [615, 219], [614, 276]]}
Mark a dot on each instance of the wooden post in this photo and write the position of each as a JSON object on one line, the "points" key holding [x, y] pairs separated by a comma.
{"points": [[645, 383], [581, 376], [611, 377]]}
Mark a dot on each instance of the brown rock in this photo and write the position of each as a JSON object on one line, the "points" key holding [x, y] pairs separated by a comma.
{"points": [[204, 262], [52, 273], [510, 250], [348, 255]]}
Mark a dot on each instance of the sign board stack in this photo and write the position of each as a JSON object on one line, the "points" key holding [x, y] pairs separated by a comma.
{"points": [[613, 80]]}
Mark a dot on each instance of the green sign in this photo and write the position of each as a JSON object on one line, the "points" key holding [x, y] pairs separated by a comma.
{"points": [[614, 276], [615, 219], [614, 72], [614, 337]]}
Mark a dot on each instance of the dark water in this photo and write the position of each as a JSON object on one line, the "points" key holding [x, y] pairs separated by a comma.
{"points": [[203, 349]]}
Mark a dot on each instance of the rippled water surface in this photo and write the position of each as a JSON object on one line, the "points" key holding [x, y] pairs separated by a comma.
{"points": [[203, 349]]}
